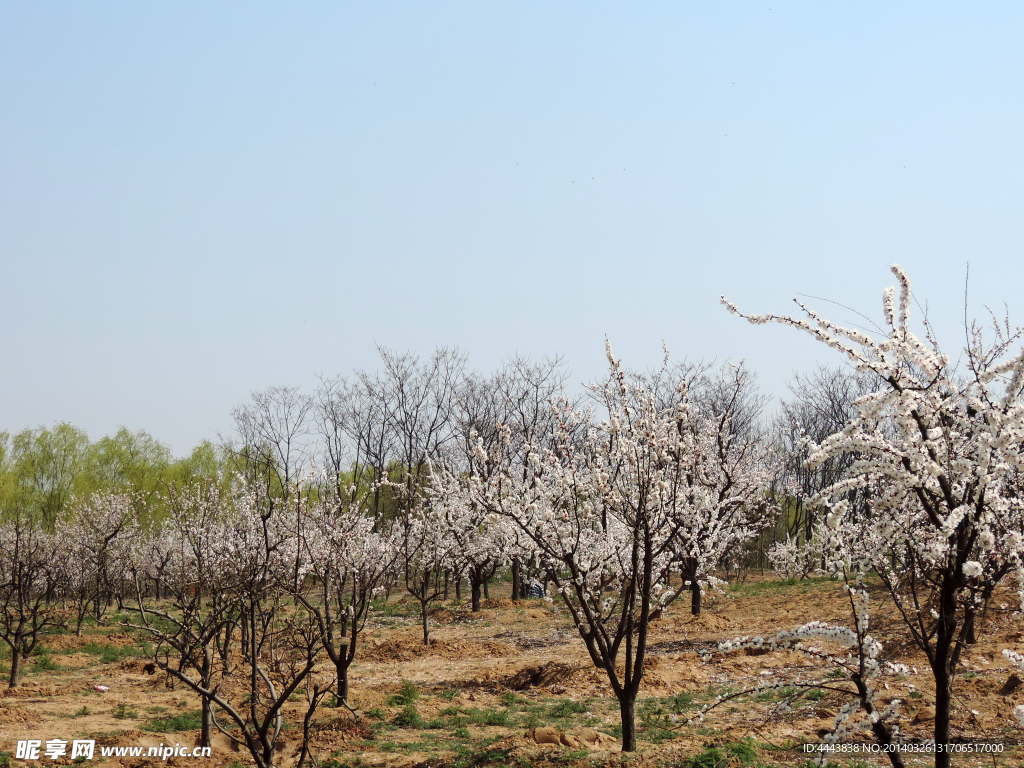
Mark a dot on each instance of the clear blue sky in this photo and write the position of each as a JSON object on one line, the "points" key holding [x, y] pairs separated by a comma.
{"points": [[198, 200]]}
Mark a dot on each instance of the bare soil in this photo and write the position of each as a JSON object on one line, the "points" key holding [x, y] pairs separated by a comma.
{"points": [[494, 686]]}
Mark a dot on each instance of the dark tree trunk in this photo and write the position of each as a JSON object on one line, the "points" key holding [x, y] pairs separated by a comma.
{"points": [[15, 664], [627, 712], [426, 625], [517, 577], [474, 587], [695, 596]]}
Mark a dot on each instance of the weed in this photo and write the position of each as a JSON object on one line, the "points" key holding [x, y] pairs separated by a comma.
{"points": [[83, 711], [108, 653], [407, 695], [567, 708], [448, 695], [489, 717], [738, 753], [187, 721], [123, 712], [409, 717], [44, 662]]}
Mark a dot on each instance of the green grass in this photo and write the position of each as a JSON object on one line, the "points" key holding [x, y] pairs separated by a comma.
{"points": [[568, 708], [407, 695], [781, 585], [187, 721], [123, 712], [740, 753], [410, 717], [43, 662], [109, 653]]}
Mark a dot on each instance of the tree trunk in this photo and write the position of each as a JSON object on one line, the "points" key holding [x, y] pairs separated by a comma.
{"points": [[426, 626], [627, 707], [486, 579], [206, 734], [342, 667], [695, 596], [15, 664], [474, 586], [517, 577], [943, 699]]}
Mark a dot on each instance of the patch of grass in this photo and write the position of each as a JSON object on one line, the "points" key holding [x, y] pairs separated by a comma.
{"points": [[410, 717], [108, 653], [738, 753], [5, 759], [83, 711], [568, 708], [45, 663], [449, 694], [815, 694], [123, 712], [496, 717], [377, 714], [187, 721], [479, 755], [407, 695]]}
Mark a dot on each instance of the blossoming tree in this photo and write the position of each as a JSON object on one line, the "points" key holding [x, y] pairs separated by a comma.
{"points": [[938, 455], [602, 505]]}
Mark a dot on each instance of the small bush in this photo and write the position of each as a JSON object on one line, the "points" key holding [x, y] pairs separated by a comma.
{"points": [[409, 717], [407, 695], [44, 662], [83, 711]]}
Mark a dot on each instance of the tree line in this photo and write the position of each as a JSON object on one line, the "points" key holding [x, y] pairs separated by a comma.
{"points": [[256, 560]]}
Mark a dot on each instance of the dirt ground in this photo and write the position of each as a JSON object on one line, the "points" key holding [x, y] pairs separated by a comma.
{"points": [[495, 683]]}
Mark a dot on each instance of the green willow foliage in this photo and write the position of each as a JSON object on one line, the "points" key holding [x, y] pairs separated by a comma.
{"points": [[43, 471]]}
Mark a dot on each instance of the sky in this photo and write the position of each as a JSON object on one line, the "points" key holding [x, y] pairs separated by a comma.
{"points": [[202, 200]]}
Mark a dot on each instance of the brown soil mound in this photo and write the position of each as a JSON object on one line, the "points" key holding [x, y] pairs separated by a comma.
{"points": [[497, 602], [407, 649], [441, 615], [545, 674], [12, 713]]}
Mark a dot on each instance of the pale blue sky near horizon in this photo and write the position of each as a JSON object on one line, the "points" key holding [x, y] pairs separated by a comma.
{"points": [[198, 200]]}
